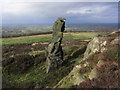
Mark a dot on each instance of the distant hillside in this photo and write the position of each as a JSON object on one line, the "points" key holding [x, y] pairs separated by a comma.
{"points": [[20, 30]]}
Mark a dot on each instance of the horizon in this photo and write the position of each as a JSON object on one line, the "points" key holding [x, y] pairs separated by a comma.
{"points": [[71, 24]]}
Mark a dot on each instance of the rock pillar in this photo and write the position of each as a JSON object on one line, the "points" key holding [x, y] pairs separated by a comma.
{"points": [[54, 50]]}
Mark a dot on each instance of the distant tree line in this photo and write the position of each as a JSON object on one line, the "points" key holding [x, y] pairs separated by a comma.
{"points": [[31, 34]]}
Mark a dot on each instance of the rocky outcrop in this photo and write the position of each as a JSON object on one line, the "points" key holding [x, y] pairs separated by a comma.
{"points": [[116, 41], [97, 45], [99, 63], [100, 43], [54, 50]]}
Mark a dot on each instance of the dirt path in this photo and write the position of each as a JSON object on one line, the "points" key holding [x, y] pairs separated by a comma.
{"points": [[44, 35]]}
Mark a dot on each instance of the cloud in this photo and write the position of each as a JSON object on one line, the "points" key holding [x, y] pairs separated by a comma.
{"points": [[48, 12], [79, 11], [40, 9], [59, 0], [15, 8], [88, 10], [21, 8]]}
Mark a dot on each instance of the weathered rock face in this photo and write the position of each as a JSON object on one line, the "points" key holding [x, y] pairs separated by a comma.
{"points": [[97, 45], [99, 67], [54, 50], [100, 43]]}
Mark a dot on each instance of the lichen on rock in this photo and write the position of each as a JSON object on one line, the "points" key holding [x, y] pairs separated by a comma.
{"points": [[97, 45], [99, 67], [54, 50]]}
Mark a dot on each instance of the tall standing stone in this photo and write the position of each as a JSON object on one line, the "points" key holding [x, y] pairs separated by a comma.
{"points": [[54, 50]]}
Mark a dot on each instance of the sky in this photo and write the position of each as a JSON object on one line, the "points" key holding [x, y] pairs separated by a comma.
{"points": [[45, 13]]}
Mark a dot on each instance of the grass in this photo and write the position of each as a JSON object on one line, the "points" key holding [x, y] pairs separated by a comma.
{"points": [[25, 40], [82, 35], [34, 74], [46, 38], [38, 75], [36, 52], [77, 59]]}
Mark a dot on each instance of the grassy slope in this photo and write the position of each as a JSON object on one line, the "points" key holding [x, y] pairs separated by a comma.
{"points": [[37, 74], [46, 38]]}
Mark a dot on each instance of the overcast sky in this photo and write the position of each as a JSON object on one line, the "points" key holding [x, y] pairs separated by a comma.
{"points": [[46, 13]]}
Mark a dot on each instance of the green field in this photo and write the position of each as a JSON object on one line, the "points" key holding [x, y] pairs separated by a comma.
{"points": [[47, 38]]}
